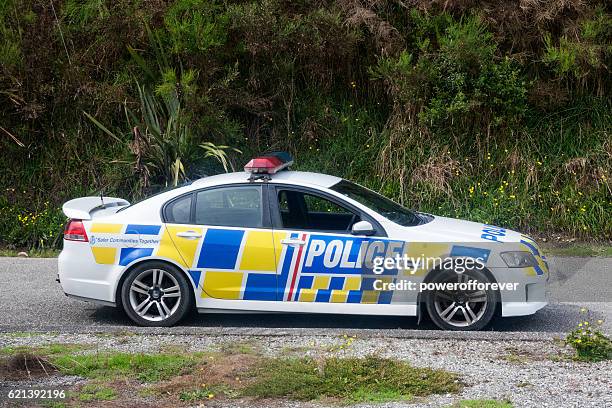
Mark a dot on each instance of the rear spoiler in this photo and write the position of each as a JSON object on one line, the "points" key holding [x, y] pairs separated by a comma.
{"points": [[81, 208]]}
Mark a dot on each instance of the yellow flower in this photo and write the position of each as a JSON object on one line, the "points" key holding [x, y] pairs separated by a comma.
{"points": [[578, 341], [211, 395]]}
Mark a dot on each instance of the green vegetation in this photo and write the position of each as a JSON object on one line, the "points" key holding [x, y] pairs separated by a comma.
{"points": [[228, 373], [96, 392], [456, 109], [590, 343], [370, 379], [143, 367]]}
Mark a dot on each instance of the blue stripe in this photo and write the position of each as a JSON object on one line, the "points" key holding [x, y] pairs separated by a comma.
{"points": [[142, 229], [128, 255], [470, 252], [538, 270], [195, 277], [220, 249], [384, 298], [354, 296], [305, 283], [260, 286], [534, 250]]}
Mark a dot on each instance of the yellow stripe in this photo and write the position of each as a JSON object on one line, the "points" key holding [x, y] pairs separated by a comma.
{"points": [[106, 228], [339, 296], [352, 283], [187, 247], [321, 282], [259, 252], [104, 255], [370, 296], [167, 249], [222, 285]]}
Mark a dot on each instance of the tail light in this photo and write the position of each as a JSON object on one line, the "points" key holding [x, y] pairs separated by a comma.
{"points": [[75, 231]]}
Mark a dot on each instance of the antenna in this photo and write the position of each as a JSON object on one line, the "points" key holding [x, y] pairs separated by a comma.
{"points": [[101, 198]]}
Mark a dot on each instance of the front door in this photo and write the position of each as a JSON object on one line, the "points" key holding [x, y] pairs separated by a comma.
{"points": [[321, 261]]}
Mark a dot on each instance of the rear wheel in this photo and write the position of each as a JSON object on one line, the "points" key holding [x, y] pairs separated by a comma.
{"points": [[461, 309], [156, 294]]}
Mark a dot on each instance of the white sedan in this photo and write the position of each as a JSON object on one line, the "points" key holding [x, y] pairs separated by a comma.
{"points": [[274, 240]]}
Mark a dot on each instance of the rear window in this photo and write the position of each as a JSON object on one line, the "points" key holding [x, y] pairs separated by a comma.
{"points": [[179, 211], [230, 206]]}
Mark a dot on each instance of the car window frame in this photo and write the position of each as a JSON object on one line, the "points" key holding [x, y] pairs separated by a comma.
{"points": [[277, 222], [266, 221]]}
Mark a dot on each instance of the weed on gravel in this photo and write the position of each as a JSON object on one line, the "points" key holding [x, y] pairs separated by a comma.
{"points": [[371, 379]]}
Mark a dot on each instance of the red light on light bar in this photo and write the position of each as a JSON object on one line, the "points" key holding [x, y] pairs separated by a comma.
{"points": [[265, 165]]}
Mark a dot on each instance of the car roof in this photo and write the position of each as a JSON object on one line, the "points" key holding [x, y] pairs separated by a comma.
{"points": [[285, 176]]}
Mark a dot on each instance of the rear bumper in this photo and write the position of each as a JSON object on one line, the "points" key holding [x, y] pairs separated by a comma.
{"points": [[80, 276]]}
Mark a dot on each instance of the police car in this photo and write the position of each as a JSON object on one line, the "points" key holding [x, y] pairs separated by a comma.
{"points": [[273, 240]]}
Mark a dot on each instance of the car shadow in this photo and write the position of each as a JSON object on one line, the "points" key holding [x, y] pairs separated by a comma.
{"points": [[553, 318]]}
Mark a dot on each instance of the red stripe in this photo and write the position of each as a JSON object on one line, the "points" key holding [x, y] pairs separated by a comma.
{"points": [[295, 268]]}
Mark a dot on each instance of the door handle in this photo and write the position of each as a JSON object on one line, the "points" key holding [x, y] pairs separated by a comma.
{"points": [[292, 241], [189, 235]]}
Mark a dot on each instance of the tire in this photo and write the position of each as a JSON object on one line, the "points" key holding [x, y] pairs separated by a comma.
{"points": [[462, 310], [156, 305]]}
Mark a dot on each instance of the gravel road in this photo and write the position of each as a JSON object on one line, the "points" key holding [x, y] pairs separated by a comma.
{"points": [[31, 300]]}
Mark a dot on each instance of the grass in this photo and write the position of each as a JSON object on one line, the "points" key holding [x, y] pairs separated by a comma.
{"points": [[371, 379], [242, 347], [146, 368], [96, 392], [239, 372], [481, 403]]}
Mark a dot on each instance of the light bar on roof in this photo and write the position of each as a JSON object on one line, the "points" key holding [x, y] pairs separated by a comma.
{"points": [[271, 163]]}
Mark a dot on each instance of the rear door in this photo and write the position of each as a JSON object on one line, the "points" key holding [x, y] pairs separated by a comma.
{"points": [[321, 261], [227, 241]]}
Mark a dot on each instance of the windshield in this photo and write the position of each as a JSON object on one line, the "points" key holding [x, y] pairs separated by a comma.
{"points": [[374, 201]]}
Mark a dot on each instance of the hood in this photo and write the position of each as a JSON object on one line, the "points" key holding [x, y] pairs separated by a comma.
{"points": [[454, 230]]}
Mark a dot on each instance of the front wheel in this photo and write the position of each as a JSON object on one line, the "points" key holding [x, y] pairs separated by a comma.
{"points": [[156, 294], [461, 309]]}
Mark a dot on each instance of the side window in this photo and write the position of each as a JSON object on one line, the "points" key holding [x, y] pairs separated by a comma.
{"points": [[301, 210], [230, 206], [179, 211]]}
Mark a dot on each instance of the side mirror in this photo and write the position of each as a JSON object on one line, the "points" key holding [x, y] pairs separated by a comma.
{"points": [[363, 228]]}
